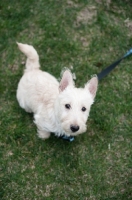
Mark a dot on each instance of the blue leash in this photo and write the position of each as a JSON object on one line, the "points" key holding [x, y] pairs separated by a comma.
{"points": [[128, 53], [108, 69], [101, 75]]}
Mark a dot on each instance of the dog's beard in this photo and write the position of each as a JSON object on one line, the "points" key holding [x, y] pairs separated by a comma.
{"points": [[66, 128]]}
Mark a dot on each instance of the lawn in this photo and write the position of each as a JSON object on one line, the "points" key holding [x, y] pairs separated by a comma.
{"points": [[87, 35]]}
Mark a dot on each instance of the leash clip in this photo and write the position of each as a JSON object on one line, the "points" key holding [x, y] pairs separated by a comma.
{"points": [[128, 53], [68, 138]]}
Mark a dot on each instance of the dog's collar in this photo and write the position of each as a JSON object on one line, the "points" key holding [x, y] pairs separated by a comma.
{"points": [[68, 138]]}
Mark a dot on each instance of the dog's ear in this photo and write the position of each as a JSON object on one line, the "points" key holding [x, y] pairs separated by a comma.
{"points": [[92, 86], [66, 80]]}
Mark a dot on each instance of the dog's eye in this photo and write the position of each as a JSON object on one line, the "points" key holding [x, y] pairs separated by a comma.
{"points": [[67, 106], [83, 109]]}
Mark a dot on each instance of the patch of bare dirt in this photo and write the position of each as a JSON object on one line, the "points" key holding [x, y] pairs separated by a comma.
{"points": [[86, 16], [107, 2], [128, 24], [72, 4]]}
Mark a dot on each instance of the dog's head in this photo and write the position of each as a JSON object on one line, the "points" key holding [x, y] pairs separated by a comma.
{"points": [[74, 104]]}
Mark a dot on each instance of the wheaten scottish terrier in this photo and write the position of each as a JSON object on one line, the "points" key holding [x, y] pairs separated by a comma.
{"points": [[60, 108]]}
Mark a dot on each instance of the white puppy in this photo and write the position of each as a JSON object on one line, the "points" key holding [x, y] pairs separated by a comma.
{"points": [[60, 108]]}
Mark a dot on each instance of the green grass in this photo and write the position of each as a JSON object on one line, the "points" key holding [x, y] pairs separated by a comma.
{"points": [[89, 35]]}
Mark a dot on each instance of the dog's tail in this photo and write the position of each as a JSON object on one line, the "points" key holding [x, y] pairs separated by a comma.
{"points": [[32, 56]]}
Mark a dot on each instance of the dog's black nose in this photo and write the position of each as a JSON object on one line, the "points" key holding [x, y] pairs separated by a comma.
{"points": [[74, 128]]}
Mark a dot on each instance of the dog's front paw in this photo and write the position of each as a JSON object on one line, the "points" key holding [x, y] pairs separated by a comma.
{"points": [[43, 134]]}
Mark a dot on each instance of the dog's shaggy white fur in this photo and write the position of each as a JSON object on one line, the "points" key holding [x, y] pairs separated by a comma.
{"points": [[58, 107]]}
